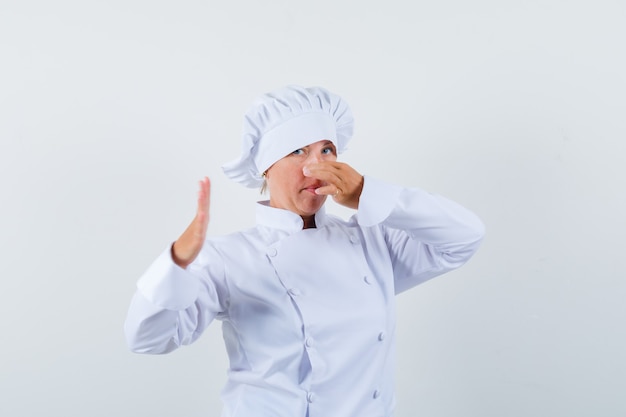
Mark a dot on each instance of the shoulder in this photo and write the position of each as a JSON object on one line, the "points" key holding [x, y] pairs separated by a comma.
{"points": [[352, 227], [235, 240]]}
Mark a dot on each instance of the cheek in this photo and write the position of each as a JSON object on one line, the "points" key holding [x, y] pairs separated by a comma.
{"points": [[285, 180]]}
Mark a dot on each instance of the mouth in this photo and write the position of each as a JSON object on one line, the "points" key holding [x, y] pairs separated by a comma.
{"points": [[312, 187], [310, 190]]}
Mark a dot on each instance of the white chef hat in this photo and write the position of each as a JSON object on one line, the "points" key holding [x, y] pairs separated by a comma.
{"points": [[284, 120]]}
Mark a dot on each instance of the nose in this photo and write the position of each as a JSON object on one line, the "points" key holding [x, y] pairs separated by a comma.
{"points": [[314, 158]]}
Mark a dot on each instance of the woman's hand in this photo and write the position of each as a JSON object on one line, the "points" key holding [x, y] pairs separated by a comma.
{"points": [[344, 184], [189, 244]]}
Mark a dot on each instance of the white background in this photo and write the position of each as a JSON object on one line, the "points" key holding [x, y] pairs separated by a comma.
{"points": [[110, 111]]}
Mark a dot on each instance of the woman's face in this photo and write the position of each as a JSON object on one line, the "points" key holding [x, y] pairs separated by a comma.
{"points": [[289, 188]]}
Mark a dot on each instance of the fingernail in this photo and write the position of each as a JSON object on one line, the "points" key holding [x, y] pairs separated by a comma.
{"points": [[306, 171]]}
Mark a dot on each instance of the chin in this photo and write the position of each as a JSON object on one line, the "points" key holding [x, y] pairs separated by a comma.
{"points": [[309, 208]]}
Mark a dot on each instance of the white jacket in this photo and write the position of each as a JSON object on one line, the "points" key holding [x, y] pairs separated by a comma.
{"points": [[308, 315]]}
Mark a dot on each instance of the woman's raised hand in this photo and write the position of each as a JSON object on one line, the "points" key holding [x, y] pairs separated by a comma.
{"points": [[189, 244], [344, 182]]}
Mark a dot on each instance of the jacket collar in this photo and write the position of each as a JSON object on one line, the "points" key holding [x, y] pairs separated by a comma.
{"points": [[284, 220]]}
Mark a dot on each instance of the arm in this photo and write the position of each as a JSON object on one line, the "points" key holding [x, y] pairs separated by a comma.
{"points": [[173, 306], [180, 293], [427, 235]]}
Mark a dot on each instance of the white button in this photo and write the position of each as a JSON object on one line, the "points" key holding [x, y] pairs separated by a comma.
{"points": [[310, 397], [308, 342], [272, 252], [376, 394], [381, 336], [354, 239], [294, 292], [367, 280]]}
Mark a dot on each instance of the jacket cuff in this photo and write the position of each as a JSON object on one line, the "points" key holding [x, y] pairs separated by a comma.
{"points": [[167, 285], [377, 201]]}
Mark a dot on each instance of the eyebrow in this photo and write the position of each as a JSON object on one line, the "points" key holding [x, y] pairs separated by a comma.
{"points": [[326, 143]]}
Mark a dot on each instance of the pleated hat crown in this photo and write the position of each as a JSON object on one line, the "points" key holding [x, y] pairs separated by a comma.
{"points": [[284, 120]]}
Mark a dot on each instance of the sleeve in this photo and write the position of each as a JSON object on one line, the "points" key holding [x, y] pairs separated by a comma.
{"points": [[173, 306], [426, 234]]}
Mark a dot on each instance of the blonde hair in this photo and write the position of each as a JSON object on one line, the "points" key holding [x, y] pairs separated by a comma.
{"points": [[264, 185]]}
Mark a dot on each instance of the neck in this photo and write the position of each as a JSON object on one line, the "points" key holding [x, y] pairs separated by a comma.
{"points": [[309, 222]]}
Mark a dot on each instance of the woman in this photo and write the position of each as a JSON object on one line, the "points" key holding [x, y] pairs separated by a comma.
{"points": [[306, 299]]}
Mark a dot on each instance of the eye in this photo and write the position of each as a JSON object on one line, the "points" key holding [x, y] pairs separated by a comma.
{"points": [[298, 152], [328, 150]]}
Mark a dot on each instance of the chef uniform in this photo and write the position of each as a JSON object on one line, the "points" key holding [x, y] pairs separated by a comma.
{"points": [[308, 315]]}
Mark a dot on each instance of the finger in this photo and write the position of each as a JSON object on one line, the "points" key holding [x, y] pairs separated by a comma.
{"points": [[204, 193], [329, 174], [328, 190], [204, 199], [322, 168]]}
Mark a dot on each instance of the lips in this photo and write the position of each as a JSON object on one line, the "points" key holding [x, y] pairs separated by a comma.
{"points": [[312, 187]]}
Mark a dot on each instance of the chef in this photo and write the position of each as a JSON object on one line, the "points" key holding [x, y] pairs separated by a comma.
{"points": [[306, 299]]}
